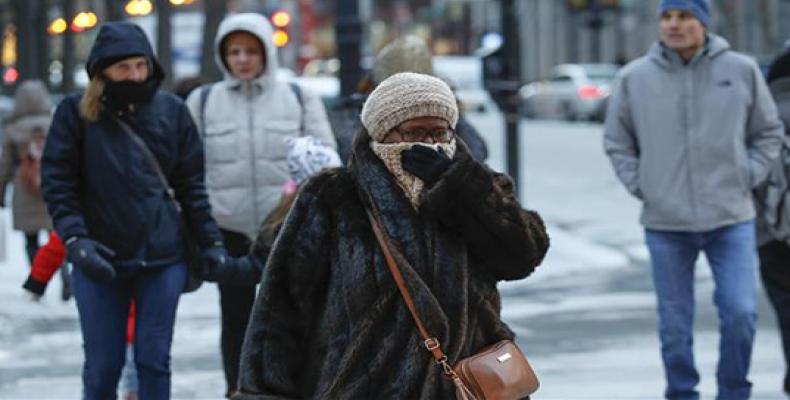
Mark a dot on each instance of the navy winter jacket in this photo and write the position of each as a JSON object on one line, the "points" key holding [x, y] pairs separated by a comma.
{"points": [[98, 183]]}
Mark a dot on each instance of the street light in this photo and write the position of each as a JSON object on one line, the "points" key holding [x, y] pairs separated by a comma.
{"points": [[281, 19], [57, 26], [84, 21], [10, 75], [8, 54], [181, 2], [138, 8]]}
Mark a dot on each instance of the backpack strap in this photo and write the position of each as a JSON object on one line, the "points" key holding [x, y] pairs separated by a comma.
{"points": [[204, 91], [299, 97]]}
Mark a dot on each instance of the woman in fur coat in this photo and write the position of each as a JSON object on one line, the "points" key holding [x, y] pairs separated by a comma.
{"points": [[329, 322]]}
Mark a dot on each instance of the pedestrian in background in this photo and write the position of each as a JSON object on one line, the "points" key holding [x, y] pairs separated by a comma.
{"points": [[121, 229], [245, 119], [329, 322], [773, 221], [691, 130], [409, 53], [25, 133], [307, 156]]}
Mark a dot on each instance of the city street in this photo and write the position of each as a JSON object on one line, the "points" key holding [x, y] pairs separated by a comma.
{"points": [[585, 318]]}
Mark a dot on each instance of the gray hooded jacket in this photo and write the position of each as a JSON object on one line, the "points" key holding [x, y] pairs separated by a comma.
{"points": [[246, 123], [691, 140]]}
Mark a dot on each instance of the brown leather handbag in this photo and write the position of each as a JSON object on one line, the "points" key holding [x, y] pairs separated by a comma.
{"points": [[497, 372]]}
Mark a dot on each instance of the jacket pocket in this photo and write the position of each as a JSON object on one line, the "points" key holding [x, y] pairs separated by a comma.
{"points": [[744, 173], [275, 146], [221, 143]]}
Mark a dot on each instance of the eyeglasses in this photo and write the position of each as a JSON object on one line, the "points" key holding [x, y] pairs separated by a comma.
{"points": [[442, 135]]}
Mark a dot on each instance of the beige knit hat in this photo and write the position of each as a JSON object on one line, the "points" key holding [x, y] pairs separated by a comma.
{"points": [[406, 96], [409, 53]]}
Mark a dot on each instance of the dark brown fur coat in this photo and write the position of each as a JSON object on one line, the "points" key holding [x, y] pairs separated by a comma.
{"points": [[329, 322]]}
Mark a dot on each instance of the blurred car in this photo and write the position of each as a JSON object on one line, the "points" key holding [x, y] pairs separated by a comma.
{"points": [[322, 67], [465, 75], [572, 92]]}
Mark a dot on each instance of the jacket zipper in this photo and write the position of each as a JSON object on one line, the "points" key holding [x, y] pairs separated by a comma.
{"points": [[251, 132]]}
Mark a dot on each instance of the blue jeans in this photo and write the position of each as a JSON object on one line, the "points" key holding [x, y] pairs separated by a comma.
{"points": [[104, 309], [732, 254]]}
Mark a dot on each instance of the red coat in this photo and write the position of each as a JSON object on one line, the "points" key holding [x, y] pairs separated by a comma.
{"points": [[47, 260]]}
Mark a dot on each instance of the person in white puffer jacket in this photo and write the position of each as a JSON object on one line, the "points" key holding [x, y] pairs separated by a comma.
{"points": [[245, 119]]}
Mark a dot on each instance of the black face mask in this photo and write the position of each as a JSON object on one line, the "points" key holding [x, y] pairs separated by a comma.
{"points": [[120, 95]]}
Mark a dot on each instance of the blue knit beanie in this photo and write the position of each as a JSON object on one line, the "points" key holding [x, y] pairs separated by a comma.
{"points": [[700, 8]]}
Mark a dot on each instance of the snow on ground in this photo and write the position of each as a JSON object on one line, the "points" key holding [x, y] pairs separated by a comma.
{"points": [[585, 318]]}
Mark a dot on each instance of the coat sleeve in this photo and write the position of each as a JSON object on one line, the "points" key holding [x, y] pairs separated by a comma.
{"points": [[47, 261], [620, 141], [188, 181], [60, 171], [480, 205], [316, 123], [764, 132], [293, 290], [7, 161]]}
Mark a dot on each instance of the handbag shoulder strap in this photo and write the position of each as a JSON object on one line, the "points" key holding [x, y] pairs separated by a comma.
{"points": [[204, 92], [431, 343], [151, 159], [298, 93]]}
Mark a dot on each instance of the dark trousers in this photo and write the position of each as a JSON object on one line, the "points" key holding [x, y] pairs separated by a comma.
{"points": [[236, 306], [775, 271], [31, 246], [104, 309]]}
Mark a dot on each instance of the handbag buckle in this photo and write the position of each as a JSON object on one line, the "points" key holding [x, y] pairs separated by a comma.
{"points": [[431, 343], [446, 368]]}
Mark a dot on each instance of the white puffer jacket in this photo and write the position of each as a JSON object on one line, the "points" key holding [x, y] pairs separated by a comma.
{"points": [[246, 123]]}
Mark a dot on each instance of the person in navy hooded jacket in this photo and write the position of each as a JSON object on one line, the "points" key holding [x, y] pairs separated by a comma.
{"points": [[121, 230]]}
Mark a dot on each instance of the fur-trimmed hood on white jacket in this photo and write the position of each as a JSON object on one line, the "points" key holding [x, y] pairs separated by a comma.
{"points": [[244, 126]]}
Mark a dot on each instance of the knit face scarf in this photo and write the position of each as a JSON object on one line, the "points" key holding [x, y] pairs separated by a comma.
{"points": [[390, 154]]}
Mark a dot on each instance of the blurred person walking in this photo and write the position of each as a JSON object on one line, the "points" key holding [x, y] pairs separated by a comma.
{"points": [[25, 133], [245, 119], [330, 322], [121, 229], [772, 199], [691, 130], [409, 53]]}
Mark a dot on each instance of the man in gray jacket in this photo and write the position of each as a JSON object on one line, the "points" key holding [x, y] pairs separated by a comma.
{"points": [[691, 130]]}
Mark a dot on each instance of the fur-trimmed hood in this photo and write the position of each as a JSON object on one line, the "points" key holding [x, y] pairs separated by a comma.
{"points": [[329, 322]]}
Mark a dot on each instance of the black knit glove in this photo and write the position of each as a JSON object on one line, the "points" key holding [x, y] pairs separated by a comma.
{"points": [[213, 258], [90, 257], [236, 271], [425, 163]]}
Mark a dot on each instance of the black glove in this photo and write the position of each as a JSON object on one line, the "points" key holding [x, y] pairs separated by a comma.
{"points": [[425, 163], [34, 286], [236, 271], [91, 257], [213, 257]]}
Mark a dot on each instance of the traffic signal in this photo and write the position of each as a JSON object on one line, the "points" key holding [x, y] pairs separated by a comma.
{"points": [[281, 20]]}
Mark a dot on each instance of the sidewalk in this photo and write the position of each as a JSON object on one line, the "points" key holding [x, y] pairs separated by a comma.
{"points": [[586, 318]]}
